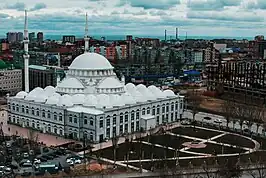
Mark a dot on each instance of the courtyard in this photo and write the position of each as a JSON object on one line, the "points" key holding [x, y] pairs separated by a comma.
{"points": [[182, 146]]}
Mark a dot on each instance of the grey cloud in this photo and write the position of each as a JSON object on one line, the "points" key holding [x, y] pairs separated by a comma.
{"points": [[38, 6], [3, 16], [20, 6], [225, 17], [259, 4], [150, 4], [157, 13], [211, 4]]}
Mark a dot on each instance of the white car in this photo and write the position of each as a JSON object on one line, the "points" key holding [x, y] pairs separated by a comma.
{"points": [[77, 161], [70, 162], [219, 121], [37, 161]]}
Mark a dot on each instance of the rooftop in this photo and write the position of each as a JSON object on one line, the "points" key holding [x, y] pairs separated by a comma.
{"points": [[80, 109], [37, 67]]}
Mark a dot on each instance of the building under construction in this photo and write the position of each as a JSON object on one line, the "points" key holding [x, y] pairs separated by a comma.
{"points": [[239, 80]]}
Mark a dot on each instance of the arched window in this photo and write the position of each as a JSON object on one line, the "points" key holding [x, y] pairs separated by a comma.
{"points": [[85, 120], [43, 113], [137, 114], [32, 111], [153, 110], [167, 107], [13, 106], [27, 109], [70, 118], [22, 108], [163, 108], [48, 114], [143, 111], [75, 119], [126, 116], [132, 115], [172, 106], [17, 108], [37, 112], [91, 121], [121, 118], [60, 117], [55, 116], [108, 121], [114, 119], [148, 110]]}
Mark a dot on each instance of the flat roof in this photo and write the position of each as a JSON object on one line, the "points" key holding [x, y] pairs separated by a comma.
{"points": [[37, 67], [81, 109]]}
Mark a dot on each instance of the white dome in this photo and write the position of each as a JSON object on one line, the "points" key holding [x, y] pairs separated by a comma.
{"points": [[130, 86], [70, 83], [65, 100], [103, 101], [138, 96], [40, 98], [90, 100], [169, 93], [110, 82], [54, 99], [36, 92], [128, 99], [156, 91], [117, 100], [91, 61], [49, 90], [21, 95], [78, 99], [145, 92]]}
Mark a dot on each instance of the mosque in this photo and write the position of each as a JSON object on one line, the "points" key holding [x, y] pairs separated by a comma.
{"points": [[91, 102]]}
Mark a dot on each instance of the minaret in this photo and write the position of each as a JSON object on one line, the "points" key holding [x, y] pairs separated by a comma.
{"points": [[26, 53], [86, 37]]}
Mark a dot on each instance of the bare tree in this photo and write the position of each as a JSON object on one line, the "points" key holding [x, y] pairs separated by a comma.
{"points": [[228, 111], [115, 140], [194, 100], [257, 169]]}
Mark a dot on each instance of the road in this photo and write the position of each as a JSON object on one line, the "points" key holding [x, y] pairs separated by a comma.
{"points": [[200, 117]]}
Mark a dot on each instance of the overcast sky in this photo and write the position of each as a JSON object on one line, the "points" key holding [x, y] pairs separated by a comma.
{"points": [[138, 17]]}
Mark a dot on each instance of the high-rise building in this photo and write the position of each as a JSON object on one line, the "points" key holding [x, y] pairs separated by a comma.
{"points": [[19, 36], [11, 37], [69, 38], [32, 36], [262, 49], [41, 76], [40, 37]]}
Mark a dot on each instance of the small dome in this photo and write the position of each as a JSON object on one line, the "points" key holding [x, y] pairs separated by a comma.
{"points": [[70, 83], [49, 90], [169, 93], [78, 99], [34, 94], [130, 86], [21, 95], [40, 98], [117, 100], [104, 101], [110, 82], [90, 100], [138, 96], [54, 99], [65, 100], [128, 99], [145, 92], [156, 91], [90, 61]]}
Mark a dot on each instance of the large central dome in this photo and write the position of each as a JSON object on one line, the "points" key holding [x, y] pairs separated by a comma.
{"points": [[90, 61]]}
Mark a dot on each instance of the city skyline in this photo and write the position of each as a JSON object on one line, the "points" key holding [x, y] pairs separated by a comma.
{"points": [[239, 18]]}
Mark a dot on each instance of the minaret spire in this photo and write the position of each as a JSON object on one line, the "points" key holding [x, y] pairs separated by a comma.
{"points": [[26, 53], [86, 37]]}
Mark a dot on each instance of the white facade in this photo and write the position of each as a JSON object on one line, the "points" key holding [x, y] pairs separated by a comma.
{"points": [[92, 102]]}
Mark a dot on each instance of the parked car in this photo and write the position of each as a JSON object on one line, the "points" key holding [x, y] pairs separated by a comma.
{"points": [[218, 121]]}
